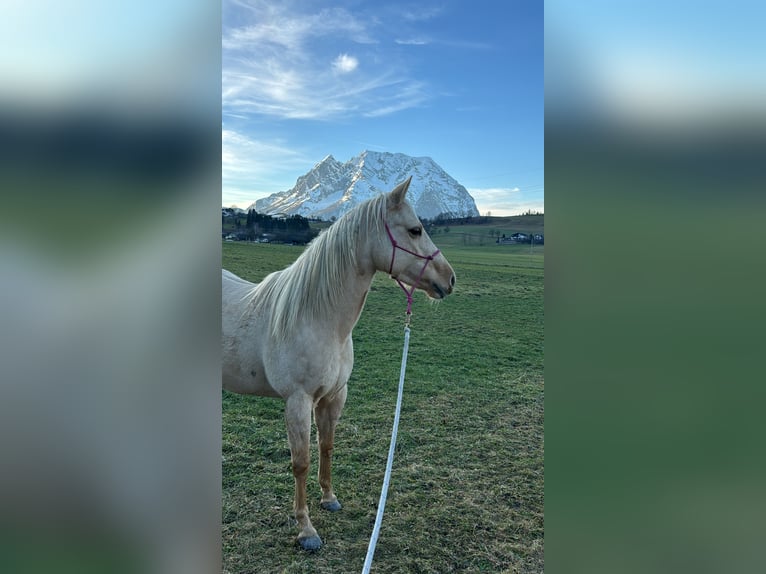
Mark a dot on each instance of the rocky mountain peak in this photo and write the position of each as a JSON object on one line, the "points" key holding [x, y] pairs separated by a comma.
{"points": [[331, 188]]}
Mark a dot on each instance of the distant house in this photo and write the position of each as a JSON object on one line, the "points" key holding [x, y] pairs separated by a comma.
{"points": [[535, 239]]}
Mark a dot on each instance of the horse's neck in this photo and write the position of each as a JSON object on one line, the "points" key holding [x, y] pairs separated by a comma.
{"points": [[355, 285]]}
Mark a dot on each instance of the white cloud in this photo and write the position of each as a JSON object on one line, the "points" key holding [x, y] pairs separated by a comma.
{"points": [[275, 24], [272, 66], [251, 169], [412, 42], [503, 201], [344, 64], [406, 95]]}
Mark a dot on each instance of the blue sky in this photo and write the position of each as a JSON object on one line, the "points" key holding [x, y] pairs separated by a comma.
{"points": [[461, 82]]}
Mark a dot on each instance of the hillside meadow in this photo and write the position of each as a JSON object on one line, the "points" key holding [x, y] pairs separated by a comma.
{"points": [[466, 491]]}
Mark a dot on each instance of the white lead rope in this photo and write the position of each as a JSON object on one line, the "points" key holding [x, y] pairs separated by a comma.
{"points": [[390, 462]]}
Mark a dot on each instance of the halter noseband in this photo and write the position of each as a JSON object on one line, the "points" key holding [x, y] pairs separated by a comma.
{"points": [[428, 259]]}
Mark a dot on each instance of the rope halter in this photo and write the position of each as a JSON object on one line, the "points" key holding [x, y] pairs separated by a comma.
{"points": [[428, 259]]}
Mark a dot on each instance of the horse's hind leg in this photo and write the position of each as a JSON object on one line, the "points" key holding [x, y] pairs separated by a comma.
{"points": [[298, 415], [326, 414]]}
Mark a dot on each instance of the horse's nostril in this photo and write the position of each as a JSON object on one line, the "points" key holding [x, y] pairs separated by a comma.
{"points": [[452, 280]]}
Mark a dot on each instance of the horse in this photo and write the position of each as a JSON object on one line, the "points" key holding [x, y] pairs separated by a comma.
{"points": [[289, 336]]}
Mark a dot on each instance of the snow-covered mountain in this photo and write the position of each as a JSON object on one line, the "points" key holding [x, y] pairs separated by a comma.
{"points": [[332, 188]]}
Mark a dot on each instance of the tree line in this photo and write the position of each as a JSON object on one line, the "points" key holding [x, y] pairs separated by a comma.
{"points": [[259, 226]]}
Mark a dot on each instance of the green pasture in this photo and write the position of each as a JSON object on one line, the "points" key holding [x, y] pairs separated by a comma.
{"points": [[477, 236], [466, 492], [484, 234]]}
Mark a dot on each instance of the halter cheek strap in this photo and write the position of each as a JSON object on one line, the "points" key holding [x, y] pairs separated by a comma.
{"points": [[428, 259]]}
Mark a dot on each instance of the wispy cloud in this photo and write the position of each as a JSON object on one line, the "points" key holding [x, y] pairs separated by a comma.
{"points": [[412, 41], [276, 24], [459, 44], [401, 96], [506, 201], [275, 65], [250, 168]]}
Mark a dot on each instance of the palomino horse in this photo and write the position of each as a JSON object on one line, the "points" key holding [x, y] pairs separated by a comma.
{"points": [[290, 335]]}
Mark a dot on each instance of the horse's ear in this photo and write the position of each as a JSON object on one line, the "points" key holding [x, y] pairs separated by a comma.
{"points": [[396, 197]]}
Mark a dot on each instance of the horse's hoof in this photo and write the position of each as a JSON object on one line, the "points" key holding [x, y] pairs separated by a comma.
{"points": [[333, 506], [310, 543]]}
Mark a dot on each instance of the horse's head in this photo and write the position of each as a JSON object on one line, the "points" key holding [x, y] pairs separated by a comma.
{"points": [[408, 254]]}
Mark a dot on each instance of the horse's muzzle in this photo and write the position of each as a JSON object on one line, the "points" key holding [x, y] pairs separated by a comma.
{"points": [[442, 291]]}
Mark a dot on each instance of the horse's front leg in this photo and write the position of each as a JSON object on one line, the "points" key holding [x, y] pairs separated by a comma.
{"points": [[298, 415], [326, 414]]}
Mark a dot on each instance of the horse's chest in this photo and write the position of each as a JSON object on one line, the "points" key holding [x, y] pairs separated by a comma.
{"points": [[319, 367], [334, 371]]}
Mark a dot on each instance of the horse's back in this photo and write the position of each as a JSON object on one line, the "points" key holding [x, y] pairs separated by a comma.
{"points": [[228, 278], [233, 290], [243, 338]]}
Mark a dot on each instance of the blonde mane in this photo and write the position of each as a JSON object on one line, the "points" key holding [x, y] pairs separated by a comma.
{"points": [[310, 286]]}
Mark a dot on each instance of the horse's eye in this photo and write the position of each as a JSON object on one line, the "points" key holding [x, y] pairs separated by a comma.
{"points": [[416, 231]]}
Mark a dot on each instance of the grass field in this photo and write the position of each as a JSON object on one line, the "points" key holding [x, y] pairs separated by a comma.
{"points": [[466, 492], [484, 234]]}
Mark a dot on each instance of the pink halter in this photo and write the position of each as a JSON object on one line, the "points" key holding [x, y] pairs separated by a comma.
{"points": [[428, 259]]}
